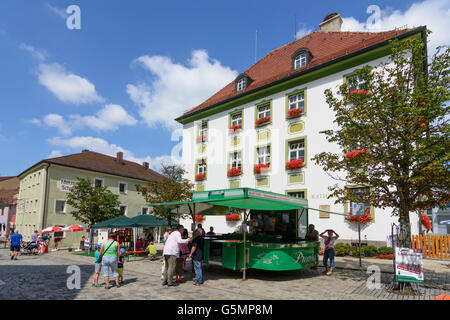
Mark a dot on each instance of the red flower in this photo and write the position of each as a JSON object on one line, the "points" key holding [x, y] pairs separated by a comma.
{"points": [[235, 127], [294, 113], [426, 221], [262, 120], [260, 167], [354, 154], [366, 218], [234, 172], [200, 177], [294, 164], [233, 217], [360, 92], [198, 218], [424, 126]]}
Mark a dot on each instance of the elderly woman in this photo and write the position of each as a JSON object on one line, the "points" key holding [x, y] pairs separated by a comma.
{"points": [[110, 254]]}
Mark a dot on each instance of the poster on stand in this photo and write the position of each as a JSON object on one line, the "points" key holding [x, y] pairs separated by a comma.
{"points": [[408, 265]]}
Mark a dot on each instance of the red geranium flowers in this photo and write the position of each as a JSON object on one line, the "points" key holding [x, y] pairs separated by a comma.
{"points": [[260, 167], [234, 172], [366, 218], [294, 113], [294, 164], [200, 177], [262, 120], [233, 217], [356, 153]]}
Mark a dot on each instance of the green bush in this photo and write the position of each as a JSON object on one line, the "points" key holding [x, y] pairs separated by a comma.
{"points": [[354, 251], [384, 250], [342, 249], [369, 251]]}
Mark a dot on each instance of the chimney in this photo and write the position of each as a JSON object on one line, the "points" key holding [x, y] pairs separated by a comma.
{"points": [[332, 22], [85, 150], [119, 157], [145, 165]]}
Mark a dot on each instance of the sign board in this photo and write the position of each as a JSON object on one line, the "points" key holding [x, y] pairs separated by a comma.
{"points": [[408, 265], [357, 209], [66, 185]]}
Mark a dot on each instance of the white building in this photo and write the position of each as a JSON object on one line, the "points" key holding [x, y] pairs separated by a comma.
{"points": [[293, 76]]}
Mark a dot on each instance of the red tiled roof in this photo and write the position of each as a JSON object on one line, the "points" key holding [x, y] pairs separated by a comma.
{"points": [[324, 46], [8, 195], [6, 178], [98, 162]]}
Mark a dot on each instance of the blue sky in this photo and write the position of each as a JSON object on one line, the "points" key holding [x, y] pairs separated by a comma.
{"points": [[117, 83]]}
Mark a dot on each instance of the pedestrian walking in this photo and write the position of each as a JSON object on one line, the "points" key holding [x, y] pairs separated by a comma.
{"points": [[109, 254], [97, 265], [120, 263], [165, 236], [170, 254], [329, 241], [15, 243], [197, 256]]}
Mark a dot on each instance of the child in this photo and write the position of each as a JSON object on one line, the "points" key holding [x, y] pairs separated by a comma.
{"points": [[120, 263], [97, 265], [151, 251]]}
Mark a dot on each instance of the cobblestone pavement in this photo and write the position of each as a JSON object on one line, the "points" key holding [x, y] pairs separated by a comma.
{"points": [[45, 277]]}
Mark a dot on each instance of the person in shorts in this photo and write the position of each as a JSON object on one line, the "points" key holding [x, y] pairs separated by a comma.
{"points": [[97, 266], [15, 242], [110, 254], [120, 263]]}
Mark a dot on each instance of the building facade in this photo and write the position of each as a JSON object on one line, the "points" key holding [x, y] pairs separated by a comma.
{"points": [[44, 188], [255, 131], [9, 192]]}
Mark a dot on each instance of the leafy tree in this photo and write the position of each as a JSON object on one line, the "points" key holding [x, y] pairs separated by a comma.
{"points": [[393, 133], [173, 188], [91, 204]]}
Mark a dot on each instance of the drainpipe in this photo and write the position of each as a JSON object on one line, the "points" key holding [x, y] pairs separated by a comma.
{"points": [[47, 182]]}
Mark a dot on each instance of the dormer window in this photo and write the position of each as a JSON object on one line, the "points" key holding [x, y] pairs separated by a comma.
{"points": [[242, 82], [300, 58]]}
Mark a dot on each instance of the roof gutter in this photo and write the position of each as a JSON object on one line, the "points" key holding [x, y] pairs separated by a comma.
{"points": [[377, 45]]}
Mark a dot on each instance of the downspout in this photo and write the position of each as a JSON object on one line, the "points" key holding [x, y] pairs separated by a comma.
{"points": [[47, 182]]}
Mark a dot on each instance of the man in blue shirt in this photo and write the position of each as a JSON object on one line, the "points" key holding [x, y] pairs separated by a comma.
{"points": [[15, 243]]}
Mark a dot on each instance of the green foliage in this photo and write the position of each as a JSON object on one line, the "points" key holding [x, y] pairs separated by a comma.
{"points": [[92, 204], [398, 125], [384, 250], [342, 249], [369, 251], [172, 188], [354, 251]]}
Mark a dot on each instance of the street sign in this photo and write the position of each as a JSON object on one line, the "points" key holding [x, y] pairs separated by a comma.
{"points": [[358, 209]]}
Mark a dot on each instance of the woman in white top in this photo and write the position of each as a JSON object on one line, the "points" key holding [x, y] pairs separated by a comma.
{"points": [[329, 241]]}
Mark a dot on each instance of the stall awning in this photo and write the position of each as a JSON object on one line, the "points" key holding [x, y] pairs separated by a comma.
{"points": [[241, 198], [145, 220], [111, 223]]}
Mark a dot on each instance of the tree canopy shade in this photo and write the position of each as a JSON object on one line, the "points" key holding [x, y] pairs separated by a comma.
{"points": [[393, 133]]}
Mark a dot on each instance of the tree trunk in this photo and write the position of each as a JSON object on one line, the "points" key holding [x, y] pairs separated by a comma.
{"points": [[404, 237]]}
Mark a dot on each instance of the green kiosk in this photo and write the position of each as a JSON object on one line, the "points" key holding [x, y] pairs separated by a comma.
{"points": [[272, 233]]}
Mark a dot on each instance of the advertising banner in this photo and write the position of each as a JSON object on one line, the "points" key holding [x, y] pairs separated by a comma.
{"points": [[408, 265]]}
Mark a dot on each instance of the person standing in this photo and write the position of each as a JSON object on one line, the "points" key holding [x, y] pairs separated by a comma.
{"points": [[197, 256], [329, 241], [200, 228], [312, 234], [165, 236], [211, 232], [170, 254], [97, 265], [110, 254], [15, 242], [34, 239]]}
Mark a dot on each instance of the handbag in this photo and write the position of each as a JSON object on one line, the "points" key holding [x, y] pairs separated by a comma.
{"points": [[100, 257]]}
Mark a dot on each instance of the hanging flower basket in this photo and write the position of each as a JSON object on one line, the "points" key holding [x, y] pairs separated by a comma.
{"points": [[233, 217], [234, 172], [199, 218], [366, 218], [356, 154], [200, 177], [426, 221], [294, 113], [201, 138], [235, 128], [294, 164], [261, 121], [260, 168]]}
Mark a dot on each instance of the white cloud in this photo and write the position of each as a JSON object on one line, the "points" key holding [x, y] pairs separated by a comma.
{"points": [[55, 154], [435, 14], [40, 55], [175, 87], [35, 121], [109, 118], [59, 12], [67, 86], [102, 146], [303, 32]]}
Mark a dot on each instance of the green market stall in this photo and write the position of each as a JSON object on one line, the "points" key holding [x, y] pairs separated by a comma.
{"points": [[273, 229]]}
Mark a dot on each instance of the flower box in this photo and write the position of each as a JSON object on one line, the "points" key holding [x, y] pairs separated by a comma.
{"points": [[201, 138], [235, 128], [385, 256], [360, 92], [261, 121], [200, 177], [355, 154], [233, 172], [233, 217], [366, 218], [294, 164], [294, 113], [199, 218], [261, 168]]}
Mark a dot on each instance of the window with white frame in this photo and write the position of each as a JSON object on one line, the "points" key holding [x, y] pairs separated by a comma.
{"points": [[236, 119], [357, 82], [297, 101], [201, 167], [263, 154], [297, 194], [241, 84], [236, 161], [60, 206], [300, 61], [297, 150], [264, 111]]}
